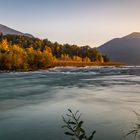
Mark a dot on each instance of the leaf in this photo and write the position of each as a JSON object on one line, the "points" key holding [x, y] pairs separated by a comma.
{"points": [[71, 122], [79, 117], [91, 137], [130, 132], [76, 112], [81, 136], [70, 110], [138, 125], [136, 113], [68, 115], [68, 133], [82, 130], [64, 126], [64, 119], [77, 131], [80, 124], [73, 139]]}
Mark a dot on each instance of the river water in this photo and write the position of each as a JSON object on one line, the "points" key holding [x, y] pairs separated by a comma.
{"points": [[31, 103]]}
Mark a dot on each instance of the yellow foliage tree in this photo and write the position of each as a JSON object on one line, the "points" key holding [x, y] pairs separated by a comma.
{"points": [[65, 57], [86, 59], [13, 57], [77, 58]]}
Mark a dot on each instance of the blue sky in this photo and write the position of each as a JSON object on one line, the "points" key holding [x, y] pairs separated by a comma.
{"points": [[81, 22]]}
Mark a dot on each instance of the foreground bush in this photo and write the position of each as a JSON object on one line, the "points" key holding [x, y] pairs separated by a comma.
{"points": [[75, 126]]}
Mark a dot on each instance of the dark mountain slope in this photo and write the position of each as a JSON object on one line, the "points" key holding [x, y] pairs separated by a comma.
{"points": [[6, 30], [126, 49]]}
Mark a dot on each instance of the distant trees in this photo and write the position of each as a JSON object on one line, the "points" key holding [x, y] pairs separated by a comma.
{"points": [[13, 57], [1, 35], [22, 52]]}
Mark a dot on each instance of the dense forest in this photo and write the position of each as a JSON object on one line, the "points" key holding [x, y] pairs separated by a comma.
{"points": [[26, 53]]}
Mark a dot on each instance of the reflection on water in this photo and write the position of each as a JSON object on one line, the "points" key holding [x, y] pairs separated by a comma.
{"points": [[31, 103]]}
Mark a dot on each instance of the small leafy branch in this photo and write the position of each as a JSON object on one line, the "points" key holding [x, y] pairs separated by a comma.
{"points": [[136, 129], [74, 126]]}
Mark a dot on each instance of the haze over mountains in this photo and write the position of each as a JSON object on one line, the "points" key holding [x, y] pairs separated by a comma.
{"points": [[6, 30], [125, 49]]}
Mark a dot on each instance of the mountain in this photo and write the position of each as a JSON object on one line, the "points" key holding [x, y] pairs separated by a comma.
{"points": [[6, 30], [125, 49]]}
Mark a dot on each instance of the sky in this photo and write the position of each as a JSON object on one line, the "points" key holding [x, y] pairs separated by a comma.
{"points": [[81, 22]]}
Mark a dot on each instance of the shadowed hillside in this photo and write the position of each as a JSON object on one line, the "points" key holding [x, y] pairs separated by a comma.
{"points": [[125, 49]]}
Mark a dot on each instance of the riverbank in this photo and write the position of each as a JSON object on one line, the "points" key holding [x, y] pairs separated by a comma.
{"points": [[84, 64], [68, 63]]}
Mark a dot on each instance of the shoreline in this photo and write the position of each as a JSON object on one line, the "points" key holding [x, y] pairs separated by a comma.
{"points": [[68, 64], [84, 64]]}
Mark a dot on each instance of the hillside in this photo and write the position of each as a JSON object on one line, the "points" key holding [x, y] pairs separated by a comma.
{"points": [[9, 31], [125, 49]]}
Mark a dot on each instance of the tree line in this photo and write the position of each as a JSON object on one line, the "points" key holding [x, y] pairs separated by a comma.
{"points": [[22, 52]]}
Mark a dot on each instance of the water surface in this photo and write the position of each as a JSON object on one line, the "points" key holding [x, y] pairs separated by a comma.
{"points": [[31, 103]]}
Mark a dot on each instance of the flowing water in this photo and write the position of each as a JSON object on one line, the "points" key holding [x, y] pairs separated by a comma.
{"points": [[31, 103]]}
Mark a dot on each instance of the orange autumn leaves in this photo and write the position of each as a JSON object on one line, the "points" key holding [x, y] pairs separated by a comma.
{"points": [[24, 53], [13, 57]]}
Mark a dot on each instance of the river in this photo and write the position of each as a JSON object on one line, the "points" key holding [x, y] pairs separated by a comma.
{"points": [[31, 103]]}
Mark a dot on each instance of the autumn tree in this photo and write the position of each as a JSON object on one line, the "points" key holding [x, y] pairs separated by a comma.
{"points": [[14, 57], [22, 52]]}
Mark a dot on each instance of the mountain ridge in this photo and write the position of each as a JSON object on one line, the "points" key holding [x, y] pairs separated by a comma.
{"points": [[133, 35], [5, 30], [125, 49]]}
